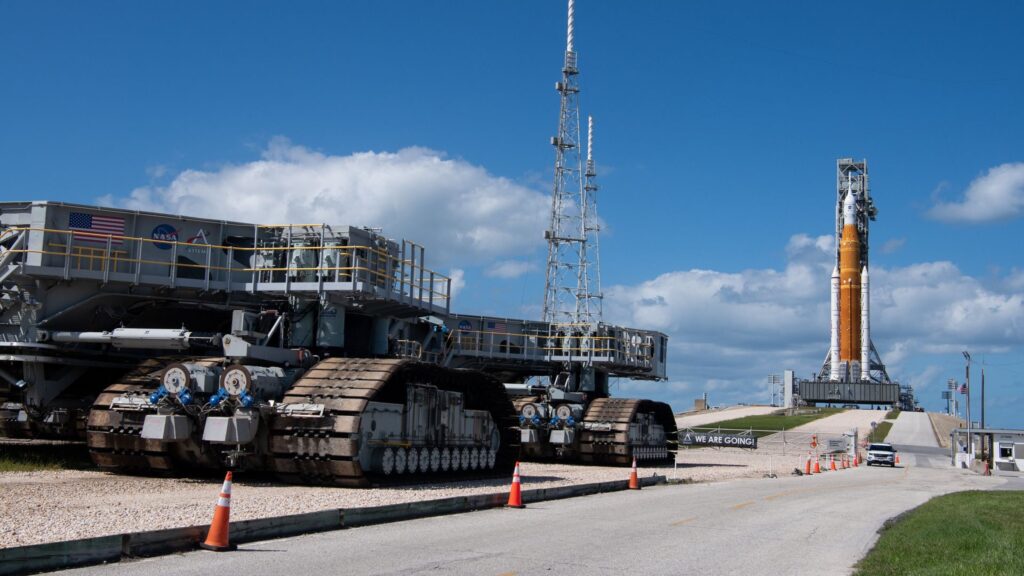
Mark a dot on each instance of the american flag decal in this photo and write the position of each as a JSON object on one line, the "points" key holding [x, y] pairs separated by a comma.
{"points": [[92, 228], [497, 326]]}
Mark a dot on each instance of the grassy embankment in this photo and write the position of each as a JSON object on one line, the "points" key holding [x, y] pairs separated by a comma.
{"points": [[968, 533], [766, 424], [880, 432], [25, 457]]}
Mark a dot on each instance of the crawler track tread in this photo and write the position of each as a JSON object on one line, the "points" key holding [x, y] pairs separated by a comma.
{"points": [[324, 450], [612, 447], [114, 437]]}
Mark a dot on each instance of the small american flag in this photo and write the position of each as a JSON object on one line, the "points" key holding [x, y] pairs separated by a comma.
{"points": [[963, 388], [494, 326], [96, 228]]}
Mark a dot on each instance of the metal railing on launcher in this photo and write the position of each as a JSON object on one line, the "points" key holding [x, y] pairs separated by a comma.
{"points": [[365, 263], [543, 343]]}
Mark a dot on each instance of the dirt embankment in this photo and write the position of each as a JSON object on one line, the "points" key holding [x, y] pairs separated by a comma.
{"points": [[944, 425]]}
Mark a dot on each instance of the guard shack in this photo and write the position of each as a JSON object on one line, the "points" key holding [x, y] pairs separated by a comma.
{"points": [[1007, 448]]}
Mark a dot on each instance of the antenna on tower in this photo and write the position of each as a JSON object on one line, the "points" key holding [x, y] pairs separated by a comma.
{"points": [[592, 228], [572, 286]]}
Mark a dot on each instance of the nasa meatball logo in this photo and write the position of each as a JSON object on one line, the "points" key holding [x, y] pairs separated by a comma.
{"points": [[167, 233]]}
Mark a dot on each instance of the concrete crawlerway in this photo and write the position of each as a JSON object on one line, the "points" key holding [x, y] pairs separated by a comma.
{"points": [[793, 525], [912, 429]]}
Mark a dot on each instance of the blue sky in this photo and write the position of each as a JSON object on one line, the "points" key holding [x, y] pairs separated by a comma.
{"points": [[718, 126]]}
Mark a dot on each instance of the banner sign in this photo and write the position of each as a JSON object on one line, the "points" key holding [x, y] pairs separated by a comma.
{"points": [[691, 438]]}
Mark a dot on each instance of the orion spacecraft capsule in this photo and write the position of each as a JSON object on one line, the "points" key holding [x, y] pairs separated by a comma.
{"points": [[851, 338]]}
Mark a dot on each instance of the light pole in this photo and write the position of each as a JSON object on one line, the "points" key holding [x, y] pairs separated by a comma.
{"points": [[970, 438]]}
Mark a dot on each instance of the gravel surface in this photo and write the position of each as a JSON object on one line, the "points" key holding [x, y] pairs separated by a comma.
{"points": [[62, 505]]}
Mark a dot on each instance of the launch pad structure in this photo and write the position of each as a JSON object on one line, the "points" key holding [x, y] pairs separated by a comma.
{"points": [[853, 371]]}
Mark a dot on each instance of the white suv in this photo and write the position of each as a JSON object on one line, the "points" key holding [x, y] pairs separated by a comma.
{"points": [[881, 454]]}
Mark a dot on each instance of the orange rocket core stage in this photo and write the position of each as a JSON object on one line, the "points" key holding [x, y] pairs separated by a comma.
{"points": [[849, 294]]}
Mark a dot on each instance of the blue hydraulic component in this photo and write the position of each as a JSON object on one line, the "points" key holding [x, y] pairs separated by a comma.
{"points": [[185, 397], [522, 419], [570, 421], [536, 420], [554, 421], [158, 395], [219, 397], [246, 399]]}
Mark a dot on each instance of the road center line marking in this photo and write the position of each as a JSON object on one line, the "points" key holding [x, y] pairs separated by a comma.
{"points": [[774, 496], [683, 521], [742, 505]]}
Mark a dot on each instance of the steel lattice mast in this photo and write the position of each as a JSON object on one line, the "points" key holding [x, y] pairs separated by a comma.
{"points": [[572, 288]]}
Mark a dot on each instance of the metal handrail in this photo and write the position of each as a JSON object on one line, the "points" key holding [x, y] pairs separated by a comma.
{"points": [[105, 256]]}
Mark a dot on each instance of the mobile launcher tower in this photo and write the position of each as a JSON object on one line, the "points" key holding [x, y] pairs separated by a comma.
{"points": [[853, 372]]}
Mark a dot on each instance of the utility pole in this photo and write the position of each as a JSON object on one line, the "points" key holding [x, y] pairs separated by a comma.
{"points": [[970, 437], [983, 395], [983, 450]]}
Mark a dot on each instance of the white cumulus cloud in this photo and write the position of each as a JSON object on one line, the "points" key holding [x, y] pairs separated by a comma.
{"points": [[458, 277], [998, 195], [460, 212], [510, 268]]}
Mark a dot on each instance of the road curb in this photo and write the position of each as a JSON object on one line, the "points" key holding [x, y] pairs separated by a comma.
{"points": [[103, 549]]}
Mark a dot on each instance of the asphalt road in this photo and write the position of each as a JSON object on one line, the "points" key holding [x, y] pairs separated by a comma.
{"points": [[791, 525], [912, 429]]}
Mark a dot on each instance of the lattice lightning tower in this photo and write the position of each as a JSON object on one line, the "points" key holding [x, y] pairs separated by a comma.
{"points": [[572, 288]]}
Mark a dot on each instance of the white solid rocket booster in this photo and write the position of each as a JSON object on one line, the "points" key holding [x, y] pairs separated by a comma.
{"points": [[834, 355], [865, 328]]}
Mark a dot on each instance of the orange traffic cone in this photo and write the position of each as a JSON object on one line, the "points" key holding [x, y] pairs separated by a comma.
{"points": [[807, 465], [817, 466], [515, 497], [634, 482], [856, 460], [897, 458], [217, 537], [832, 462]]}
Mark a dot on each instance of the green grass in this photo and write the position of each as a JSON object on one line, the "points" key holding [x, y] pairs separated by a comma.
{"points": [[968, 533], [880, 432], [892, 414], [26, 457], [769, 423]]}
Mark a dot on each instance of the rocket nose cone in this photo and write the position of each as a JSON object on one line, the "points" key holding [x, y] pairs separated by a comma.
{"points": [[835, 272]]}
